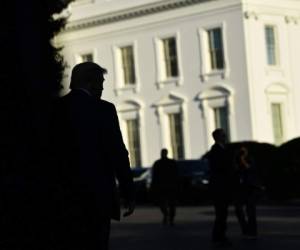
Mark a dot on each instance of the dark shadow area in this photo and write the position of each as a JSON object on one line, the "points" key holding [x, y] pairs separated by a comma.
{"points": [[155, 236], [288, 212], [30, 76], [196, 235], [146, 231]]}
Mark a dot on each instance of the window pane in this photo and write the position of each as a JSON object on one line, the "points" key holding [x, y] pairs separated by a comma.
{"points": [[221, 119], [277, 122], [176, 134], [128, 65], [170, 57], [217, 38], [134, 142], [271, 45], [220, 60], [215, 41]]}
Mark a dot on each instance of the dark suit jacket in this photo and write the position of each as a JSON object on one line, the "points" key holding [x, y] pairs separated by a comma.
{"points": [[88, 156], [221, 171], [165, 179]]}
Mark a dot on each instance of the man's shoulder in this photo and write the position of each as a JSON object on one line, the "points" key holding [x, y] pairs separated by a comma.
{"points": [[170, 160], [156, 163], [217, 146], [163, 162], [107, 104], [57, 102], [215, 150], [173, 163], [74, 96], [104, 102]]}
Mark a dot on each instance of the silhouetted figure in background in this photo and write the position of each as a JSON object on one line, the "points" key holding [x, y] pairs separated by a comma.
{"points": [[89, 154], [245, 192], [165, 186], [221, 183]]}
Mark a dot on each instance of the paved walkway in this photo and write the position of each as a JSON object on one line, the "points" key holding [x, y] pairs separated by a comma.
{"points": [[279, 228]]}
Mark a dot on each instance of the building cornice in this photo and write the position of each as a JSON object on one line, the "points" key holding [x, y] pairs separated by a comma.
{"points": [[131, 13]]}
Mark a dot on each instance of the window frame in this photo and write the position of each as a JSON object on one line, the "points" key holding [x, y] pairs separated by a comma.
{"points": [[206, 71], [216, 118], [162, 78], [128, 66], [128, 110], [281, 122], [279, 92], [120, 86], [218, 95], [177, 149], [213, 51], [173, 103], [276, 49], [134, 142], [170, 60]]}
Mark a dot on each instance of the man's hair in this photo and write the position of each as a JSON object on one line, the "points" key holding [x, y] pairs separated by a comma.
{"points": [[83, 73], [217, 132]]}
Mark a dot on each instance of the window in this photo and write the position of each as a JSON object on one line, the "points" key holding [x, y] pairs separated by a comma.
{"points": [[276, 109], [127, 57], [216, 53], [170, 57], [86, 57], [134, 142], [271, 45], [176, 135], [221, 119]]}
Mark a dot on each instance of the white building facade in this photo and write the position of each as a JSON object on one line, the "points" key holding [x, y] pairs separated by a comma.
{"points": [[178, 69]]}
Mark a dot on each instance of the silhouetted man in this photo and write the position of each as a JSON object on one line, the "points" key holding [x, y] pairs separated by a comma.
{"points": [[220, 186], [89, 155], [165, 186], [246, 192]]}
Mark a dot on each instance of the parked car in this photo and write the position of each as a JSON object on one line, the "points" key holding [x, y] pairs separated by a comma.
{"points": [[142, 182], [193, 182]]}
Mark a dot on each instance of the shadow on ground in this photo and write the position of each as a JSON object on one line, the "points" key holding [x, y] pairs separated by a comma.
{"points": [[279, 228]]}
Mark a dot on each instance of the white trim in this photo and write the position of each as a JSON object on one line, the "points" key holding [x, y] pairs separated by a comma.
{"points": [[78, 3], [98, 31], [146, 10]]}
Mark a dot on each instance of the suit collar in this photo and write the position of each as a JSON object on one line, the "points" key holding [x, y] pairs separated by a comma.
{"points": [[82, 90]]}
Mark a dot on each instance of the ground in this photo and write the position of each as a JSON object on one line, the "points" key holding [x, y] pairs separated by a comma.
{"points": [[279, 228]]}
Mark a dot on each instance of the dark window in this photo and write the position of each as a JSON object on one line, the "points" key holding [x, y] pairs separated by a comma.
{"points": [[176, 134], [170, 57], [216, 48]]}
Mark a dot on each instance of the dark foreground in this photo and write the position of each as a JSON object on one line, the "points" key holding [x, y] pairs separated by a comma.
{"points": [[279, 228]]}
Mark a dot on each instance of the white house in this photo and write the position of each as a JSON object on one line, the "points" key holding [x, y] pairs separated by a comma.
{"points": [[178, 69]]}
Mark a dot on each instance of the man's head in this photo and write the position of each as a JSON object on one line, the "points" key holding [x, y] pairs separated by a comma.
{"points": [[88, 76], [164, 153], [219, 136], [243, 151]]}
